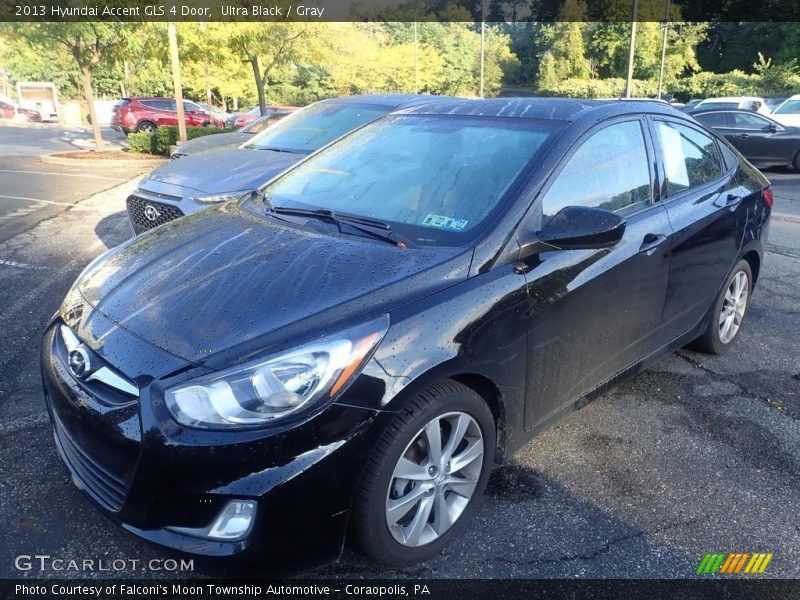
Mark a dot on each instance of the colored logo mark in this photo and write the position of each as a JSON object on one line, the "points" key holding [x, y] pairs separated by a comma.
{"points": [[732, 563]]}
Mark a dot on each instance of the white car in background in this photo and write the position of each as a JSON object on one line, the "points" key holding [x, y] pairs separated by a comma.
{"points": [[788, 112], [734, 102]]}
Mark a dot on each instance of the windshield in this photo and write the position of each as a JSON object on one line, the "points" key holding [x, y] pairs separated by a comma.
{"points": [[314, 126], [433, 179], [789, 107]]}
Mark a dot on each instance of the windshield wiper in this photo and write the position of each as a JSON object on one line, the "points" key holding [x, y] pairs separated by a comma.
{"points": [[372, 227], [270, 148]]}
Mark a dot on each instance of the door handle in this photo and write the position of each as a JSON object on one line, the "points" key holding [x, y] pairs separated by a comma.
{"points": [[742, 136], [651, 242], [732, 201]]}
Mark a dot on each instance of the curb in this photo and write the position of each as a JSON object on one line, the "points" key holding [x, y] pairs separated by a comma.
{"points": [[54, 159]]}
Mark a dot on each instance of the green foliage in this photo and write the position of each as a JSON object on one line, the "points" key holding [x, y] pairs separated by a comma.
{"points": [[159, 141], [599, 88], [143, 142]]}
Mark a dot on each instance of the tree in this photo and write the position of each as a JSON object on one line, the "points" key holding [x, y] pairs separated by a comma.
{"points": [[265, 46], [89, 44]]}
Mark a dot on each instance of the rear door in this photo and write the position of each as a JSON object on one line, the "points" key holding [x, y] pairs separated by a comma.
{"points": [[596, 312], [704, 204]]}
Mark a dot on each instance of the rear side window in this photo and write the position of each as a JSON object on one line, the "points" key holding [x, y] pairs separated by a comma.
{"points": [[159, 104], [715, 119], [691, 158], [609, 171]]}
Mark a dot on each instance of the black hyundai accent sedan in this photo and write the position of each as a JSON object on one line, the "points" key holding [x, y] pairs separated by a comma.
{"points": [[345, 353]]}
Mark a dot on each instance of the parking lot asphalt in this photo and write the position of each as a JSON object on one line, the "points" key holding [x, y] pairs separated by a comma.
{"points": [[697, 454]]}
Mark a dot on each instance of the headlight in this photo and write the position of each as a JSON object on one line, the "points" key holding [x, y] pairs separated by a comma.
{"points": [[221, 197], [273, 388]]}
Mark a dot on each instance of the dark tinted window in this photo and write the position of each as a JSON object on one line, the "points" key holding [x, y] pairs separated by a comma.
{"points": [[691, 158], [160, 104], [715, 119], [749, 121], [608, 171], [718, 105], [121, 103]]}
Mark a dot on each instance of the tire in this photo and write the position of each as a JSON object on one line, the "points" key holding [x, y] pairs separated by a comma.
{"points": [[381, 492], [207, 124], [146, 127], [716, 339], [796, 162]]}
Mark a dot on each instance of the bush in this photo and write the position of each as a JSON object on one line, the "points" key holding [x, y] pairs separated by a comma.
{"points": [[600, 88], [142, 142], [158, 142]]}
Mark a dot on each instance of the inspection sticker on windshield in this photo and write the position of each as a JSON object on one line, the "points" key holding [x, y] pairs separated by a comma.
{"points": [[442, 222]]}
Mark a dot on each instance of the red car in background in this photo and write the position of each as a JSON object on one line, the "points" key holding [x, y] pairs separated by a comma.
{"points": [[145, 114], [9, 111], [238, 120]]}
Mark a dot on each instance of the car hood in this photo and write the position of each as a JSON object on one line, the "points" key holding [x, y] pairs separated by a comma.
{"points": [[225, 278], [224, 169], [216, 140]]}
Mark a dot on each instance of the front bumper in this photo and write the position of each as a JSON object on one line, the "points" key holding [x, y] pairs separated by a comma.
{"points": [[148, 474]]}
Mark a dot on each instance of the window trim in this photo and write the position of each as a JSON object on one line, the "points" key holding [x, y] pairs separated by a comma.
{"points": [[538, 215], [725, 171]]}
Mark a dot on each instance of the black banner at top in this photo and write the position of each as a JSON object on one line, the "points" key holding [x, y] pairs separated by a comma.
{"points": [[399, 10]]}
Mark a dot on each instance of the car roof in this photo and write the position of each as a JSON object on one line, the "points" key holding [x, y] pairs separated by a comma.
{"points": [[390, 100], [560, 109], [731, 99]]}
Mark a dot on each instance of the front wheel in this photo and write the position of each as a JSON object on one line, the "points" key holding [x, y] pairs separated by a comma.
{"points": [[427, 475], [728, 312]]}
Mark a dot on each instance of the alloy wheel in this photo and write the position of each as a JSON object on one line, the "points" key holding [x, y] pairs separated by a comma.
{"points": [[733, 307], [434, 479]]}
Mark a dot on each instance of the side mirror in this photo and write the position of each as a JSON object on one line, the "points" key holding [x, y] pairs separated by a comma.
{"points": [[772, 127], [577, 228]]}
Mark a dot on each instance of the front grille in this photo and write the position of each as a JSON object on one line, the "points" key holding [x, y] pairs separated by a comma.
{"points": [[109, 489], [138, 213]]}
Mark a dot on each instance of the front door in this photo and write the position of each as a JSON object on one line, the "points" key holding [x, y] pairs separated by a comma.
{"points": [[596, 312]]}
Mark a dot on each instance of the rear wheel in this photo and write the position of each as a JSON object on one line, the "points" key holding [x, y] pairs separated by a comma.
{"points": [[427, 475], [796, 161], [728, 312], [146, 127]]}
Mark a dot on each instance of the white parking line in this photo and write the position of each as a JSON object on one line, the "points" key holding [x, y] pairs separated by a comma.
{"points": [[45, 201], [19, 265], [88, 176]]}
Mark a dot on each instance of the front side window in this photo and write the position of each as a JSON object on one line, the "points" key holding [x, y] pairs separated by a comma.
{"points": [[610, 170], [433, 178], [691, 158], [750, 121], [311, 128]]}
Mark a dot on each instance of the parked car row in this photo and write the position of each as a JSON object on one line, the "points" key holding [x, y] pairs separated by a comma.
{"points": [[10, 111], [238, 120], [384, 297]]}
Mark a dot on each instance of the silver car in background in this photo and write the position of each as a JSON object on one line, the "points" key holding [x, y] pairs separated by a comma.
{"points": [[185, 186]]}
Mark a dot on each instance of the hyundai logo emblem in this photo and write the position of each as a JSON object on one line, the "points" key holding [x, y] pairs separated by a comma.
{"points": [[79, 362], [151, 212]]}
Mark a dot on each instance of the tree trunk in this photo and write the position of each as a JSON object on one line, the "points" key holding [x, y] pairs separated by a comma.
{"points": [[262, 99], [86, 76]]}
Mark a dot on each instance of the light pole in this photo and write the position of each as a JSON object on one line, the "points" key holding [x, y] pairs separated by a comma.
{"points": [[483, 41], [663, 50], [631, 50], [416, 63]]}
